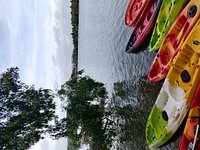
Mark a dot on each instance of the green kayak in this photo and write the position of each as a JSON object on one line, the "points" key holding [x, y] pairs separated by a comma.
{"points": [[176, 94], [169, 10]]}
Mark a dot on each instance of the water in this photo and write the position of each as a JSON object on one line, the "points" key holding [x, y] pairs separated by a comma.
{"points": [[102, 41]]}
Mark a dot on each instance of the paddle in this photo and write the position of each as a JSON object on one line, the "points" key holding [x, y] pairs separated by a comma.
{"points": [[195, 136]]}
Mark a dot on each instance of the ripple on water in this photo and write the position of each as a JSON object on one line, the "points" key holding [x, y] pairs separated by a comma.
{"points": [[102, 41]]}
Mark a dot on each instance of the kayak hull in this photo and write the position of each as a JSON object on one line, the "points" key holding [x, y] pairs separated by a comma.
{"points": [[139, 38], [174, 38], [133, 11], [167, 14], [176, 94], [191, 123]]}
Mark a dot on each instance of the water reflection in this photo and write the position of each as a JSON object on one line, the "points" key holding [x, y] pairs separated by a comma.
{"points": [[133, 101], [103, 37]]}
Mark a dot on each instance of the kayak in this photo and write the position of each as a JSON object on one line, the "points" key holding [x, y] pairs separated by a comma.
{"points": [[175, 97], [193, 119], [133, 11], [143, 27], [173, 40], [167, 14]]}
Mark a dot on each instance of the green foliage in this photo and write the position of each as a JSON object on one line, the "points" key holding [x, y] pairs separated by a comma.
{"points": [[87, 117], [24, 112]]}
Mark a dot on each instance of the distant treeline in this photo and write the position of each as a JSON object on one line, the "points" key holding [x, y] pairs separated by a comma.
{"points": [[75, 22]]}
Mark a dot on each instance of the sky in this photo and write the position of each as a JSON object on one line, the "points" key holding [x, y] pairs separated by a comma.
{"points": [[35, 35]]}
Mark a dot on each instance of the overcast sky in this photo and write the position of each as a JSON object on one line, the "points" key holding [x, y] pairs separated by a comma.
{"points": [[35, 36]]}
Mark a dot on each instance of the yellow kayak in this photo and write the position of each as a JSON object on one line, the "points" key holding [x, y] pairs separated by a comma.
{"points": [[173, 40], [193, 121], [176, 94]]}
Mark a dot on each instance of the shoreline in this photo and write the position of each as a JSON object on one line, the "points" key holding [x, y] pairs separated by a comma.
{"points": [[75, 23]]}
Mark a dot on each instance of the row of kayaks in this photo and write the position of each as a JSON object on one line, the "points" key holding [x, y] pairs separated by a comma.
{"points": [[172, 28]]}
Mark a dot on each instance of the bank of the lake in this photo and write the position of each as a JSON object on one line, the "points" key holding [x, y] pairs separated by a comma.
{"points": [[75, 23]]}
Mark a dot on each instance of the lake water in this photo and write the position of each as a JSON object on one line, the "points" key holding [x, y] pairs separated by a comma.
{"points": [[102, 41]]}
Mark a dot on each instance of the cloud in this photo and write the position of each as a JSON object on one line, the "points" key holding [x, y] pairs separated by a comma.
{"points": [[5, 34], [35, 35], [4, 40], [62, 31], [45, 144]]}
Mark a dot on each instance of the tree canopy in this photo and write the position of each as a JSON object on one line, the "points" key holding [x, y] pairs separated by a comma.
{"points": [[25, 112], [87, 120]]}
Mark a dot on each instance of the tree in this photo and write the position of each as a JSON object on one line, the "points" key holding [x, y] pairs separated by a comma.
{"points": [[87, 118], [132, 101], [25, 112]]}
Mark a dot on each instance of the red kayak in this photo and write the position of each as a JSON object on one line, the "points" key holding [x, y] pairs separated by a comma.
{"points": [[143, 27], [191, 136], [133, 11], [173, 40]]}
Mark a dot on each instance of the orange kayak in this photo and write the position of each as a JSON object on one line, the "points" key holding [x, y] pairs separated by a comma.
{"points": [[187, 139], [176, 94], [133, 11], [173, 40]]}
